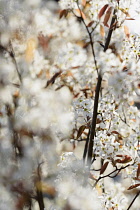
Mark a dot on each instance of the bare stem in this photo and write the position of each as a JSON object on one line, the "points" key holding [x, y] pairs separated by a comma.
{"points": [[14, 61], [90, 37], [96, 100], [133, 200]]}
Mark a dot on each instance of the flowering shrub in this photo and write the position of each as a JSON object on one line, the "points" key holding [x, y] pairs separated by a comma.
{"points": [[69, 105]]}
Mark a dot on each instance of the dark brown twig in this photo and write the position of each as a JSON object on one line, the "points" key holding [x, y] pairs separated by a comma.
{"points": [[133, 200], [96, 100], [14, 61]]}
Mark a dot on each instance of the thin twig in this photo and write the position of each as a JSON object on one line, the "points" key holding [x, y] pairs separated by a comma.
{"points": [[15, 62], [133, 200], [116, 171], [90, 37], [86, 146]]}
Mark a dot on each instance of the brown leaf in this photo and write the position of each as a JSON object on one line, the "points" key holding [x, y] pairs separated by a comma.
{"points": [[63, 13], [46, 188], [135, 178], [129, 19], [44, 41], [138, 171], [126, 159], [113, 162], [119, 155], [102, 11], [90, 23], [116, 132], [126, 31], [133, 186], [80, 13], [102, 31], [103, 168], [52, 80], [91, 176], [75, 67], [81, 130], [107, 16]]}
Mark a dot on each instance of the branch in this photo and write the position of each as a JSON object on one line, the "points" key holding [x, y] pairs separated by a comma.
{"points": [[96, 100], [14, 61], [90, 36], [133, 200], [117, 170]]}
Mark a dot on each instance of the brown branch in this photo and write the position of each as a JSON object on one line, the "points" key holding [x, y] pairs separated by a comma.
{"points": [[90, 36], [86, 146], [117, 171], [133, 200], [52, 80], [96, 100], [12, 54]]}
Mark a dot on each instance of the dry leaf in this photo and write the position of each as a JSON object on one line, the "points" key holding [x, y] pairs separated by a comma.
{"points": [[102, 11]]}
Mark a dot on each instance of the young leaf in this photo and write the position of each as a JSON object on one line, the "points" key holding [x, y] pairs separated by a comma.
{"points": [[125, 12], [84, 2], [30, 48], [129, 19], [133, 186], [126, 31], [103, 168], [63, 13], [116, 132], [81, 130], [102, 31], [107, 16], [138, 171], [102, 11], [80, 13], [44, 41], [126, 159], [54, 77], [90, 23]]}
